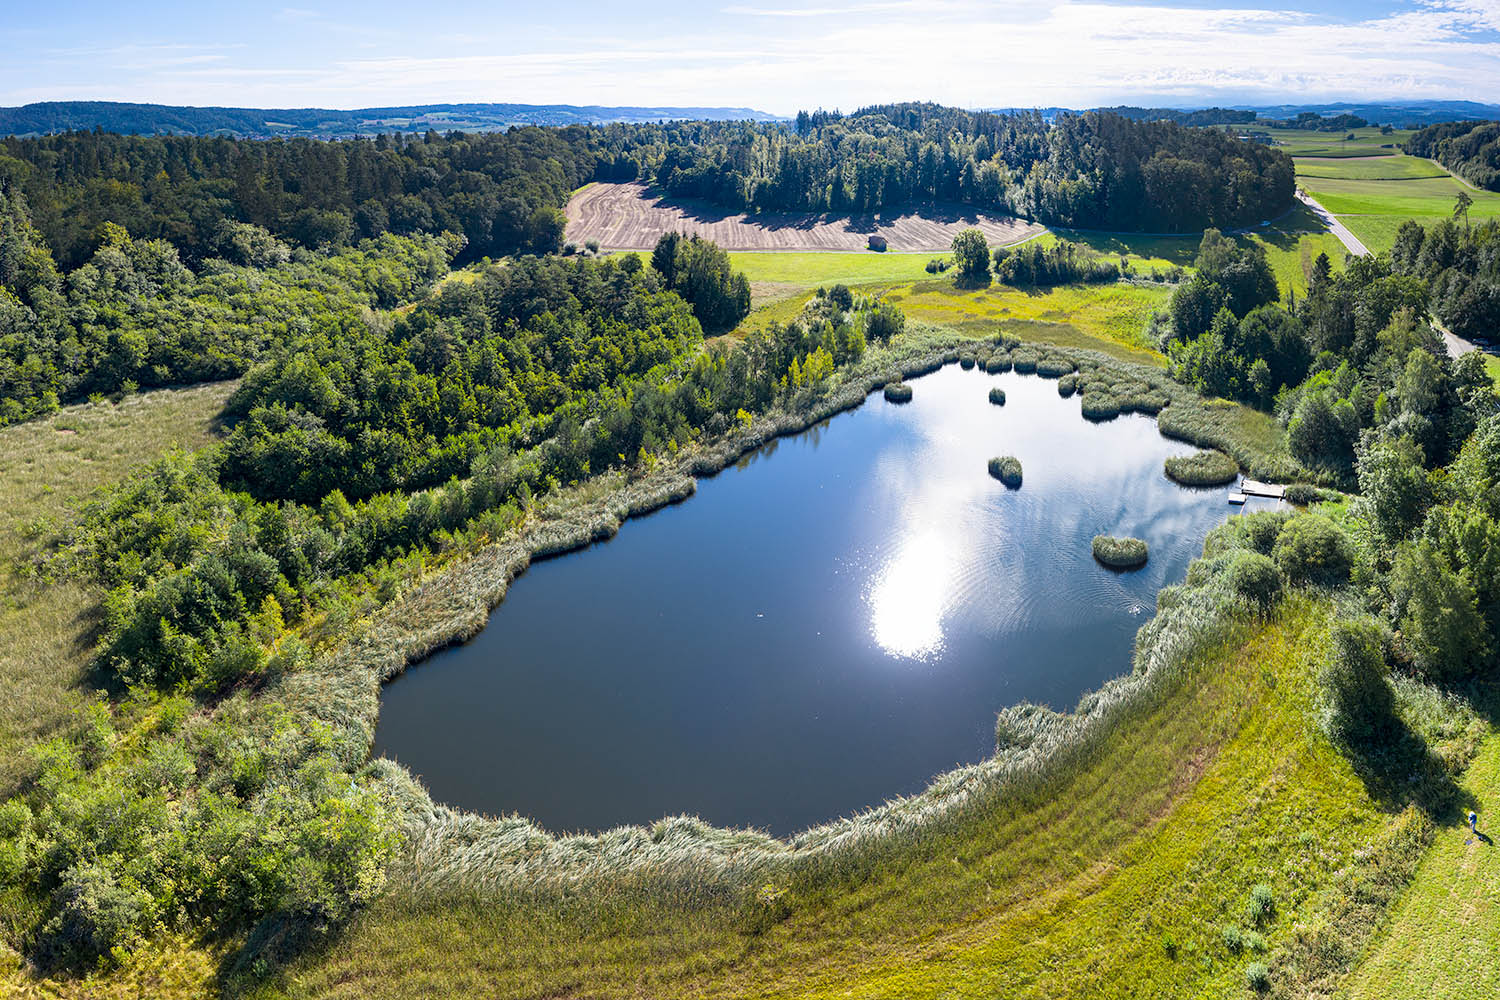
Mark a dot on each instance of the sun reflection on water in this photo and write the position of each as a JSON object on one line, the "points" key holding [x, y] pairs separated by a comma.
{"points": [[909, 597]]}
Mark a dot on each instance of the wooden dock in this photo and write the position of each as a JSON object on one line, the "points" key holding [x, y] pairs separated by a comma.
{"points": [[1251, 487]]}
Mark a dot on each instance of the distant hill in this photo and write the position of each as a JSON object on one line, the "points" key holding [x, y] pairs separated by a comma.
{"points": [[322, 123]]}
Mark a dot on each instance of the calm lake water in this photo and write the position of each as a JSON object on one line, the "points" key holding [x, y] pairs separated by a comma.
{"points": [[830, 623]]}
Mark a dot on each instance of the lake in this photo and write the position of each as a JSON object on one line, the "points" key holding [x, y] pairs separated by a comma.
{"points": [[827, 624]]}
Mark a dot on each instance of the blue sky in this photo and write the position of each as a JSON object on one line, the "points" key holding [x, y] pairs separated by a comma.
{"points": [[768, 54]]}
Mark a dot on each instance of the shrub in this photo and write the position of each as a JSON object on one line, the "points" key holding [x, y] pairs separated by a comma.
{"points": [[1258, 977], [1261, 906], [1204, 468], [1120, 553], [1312, 549], [997, 396], [1054, 367], [1025, 361], [1067, 385], [1253, 577], [1305, 494], [1007, 469], [1356, 705], [966, 361], [998, 362], [898, 392], [1100, 406]]}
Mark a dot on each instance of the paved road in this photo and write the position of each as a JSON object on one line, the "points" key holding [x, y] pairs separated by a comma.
{"points": [[1350, 241]]}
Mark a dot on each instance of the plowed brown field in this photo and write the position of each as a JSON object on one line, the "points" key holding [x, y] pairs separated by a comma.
{"points": [[629, 217]]}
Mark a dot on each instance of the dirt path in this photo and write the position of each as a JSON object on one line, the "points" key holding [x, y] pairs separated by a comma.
{"points": [[1350, 241], [631, 217]]}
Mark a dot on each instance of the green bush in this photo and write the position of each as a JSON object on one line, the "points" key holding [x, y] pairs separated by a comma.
{"points": [[1120, 553], [1261, 906], [1253, 577], [1204, 468], [1007, 469], [997, 396], [1024, 360], [1067, 385], [1305, 494], [1055, 367], [1258, 977], [1312, 549], [966, 360], [898, 392], [1356, 706], [998, 362]]}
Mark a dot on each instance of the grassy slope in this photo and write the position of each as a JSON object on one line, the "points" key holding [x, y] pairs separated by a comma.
{"points": [[46, 632], [1366, 142], [1220, 786], [1444, 936]]}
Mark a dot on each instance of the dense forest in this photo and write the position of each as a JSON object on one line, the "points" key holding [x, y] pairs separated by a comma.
{"points": [[1094, 170], [1354, 361], [504, 192], [1469, 149]]}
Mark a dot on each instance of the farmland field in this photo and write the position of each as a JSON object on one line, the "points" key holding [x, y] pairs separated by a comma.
{"points": [[632, 217], [1366, 142], [1374, 196]]}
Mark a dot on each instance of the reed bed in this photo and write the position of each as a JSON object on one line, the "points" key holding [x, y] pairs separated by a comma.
{"points": [[898, 392], [1007, 469], [1067, 385], [997, 396], [1203, 468], [1120, 553]]}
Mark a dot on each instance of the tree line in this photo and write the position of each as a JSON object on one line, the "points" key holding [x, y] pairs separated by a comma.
{"points": [[1094, 170], [1471, 149]]}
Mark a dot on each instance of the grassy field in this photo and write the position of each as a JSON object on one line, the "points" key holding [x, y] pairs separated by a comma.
{"points": [[1373, 197], [1385, 168], [1444, 936], [1366, 142], [809, 270], [1128, 880], [45, 465]]}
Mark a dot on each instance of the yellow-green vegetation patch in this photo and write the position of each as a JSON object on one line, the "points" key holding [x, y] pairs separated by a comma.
{"points": [[1103, 317], [1143, 252]]}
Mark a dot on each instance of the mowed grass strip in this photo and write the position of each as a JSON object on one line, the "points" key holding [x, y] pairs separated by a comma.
{"points": [[47, 465], [1118, 882], [1444, 935]]}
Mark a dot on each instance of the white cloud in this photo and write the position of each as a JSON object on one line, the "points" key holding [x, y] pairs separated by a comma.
{"points": [[1070, 52]]}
